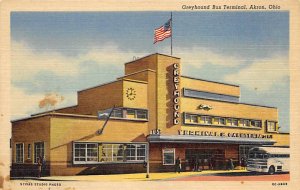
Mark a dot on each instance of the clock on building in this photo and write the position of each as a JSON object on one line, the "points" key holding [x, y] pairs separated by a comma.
{"points": [[130, 93]]}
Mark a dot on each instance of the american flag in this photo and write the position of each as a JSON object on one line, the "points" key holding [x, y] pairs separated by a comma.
{"points": [[163, 32]]}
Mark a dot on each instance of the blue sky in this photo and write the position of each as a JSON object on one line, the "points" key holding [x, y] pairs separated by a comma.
{"points": [[61, 53]]}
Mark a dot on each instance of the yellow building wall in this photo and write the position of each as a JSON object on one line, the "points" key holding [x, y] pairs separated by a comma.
{"points": [[140, 91], [66, 130], [207, 86], [227, 109], [282, 139], [28, 132], [92, 100], [149, 76], [148, 62]]}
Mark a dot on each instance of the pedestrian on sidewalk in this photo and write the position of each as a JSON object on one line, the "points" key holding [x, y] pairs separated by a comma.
{"points": [[43, 171], [243, 163], [177, 165], [231, 165], [39, 166]]}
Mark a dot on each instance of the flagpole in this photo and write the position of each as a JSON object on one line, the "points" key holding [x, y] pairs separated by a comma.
{"points": [[171, 34]]}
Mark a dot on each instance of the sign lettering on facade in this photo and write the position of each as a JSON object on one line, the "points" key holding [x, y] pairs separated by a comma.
{"points": [[176, 94], [222, 134]]}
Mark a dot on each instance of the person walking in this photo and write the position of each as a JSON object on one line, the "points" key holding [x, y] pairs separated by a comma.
{"points": [[177, 165], [43, 172], [231, 164], [39, 165], [243, 163], [199, 161]]}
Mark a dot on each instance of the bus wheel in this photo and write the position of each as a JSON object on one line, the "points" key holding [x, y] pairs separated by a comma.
{"points": [[271, 170]]}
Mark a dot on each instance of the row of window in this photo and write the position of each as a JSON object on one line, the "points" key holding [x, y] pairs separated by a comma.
{"points": [[216, 120], [96, 152], [209, 95], [38, 152], [127, 113], [264, 156], [271, 126]]}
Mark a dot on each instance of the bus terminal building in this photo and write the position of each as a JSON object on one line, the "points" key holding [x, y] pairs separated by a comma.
{"points": [[151, 113]]}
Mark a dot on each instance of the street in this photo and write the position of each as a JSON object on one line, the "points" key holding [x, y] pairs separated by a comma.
{"points": [[235, 176], [207, 175]]}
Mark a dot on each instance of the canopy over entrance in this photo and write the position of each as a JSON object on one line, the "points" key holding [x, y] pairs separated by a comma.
{"points": [[208, 139]]}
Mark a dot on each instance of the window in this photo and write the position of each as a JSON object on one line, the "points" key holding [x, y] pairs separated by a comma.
{"points": [[206, 119], [86, 152], [142, 114], [232, 122], [244, 150], [118, 113], [29, 151], [20, 153], [235, 122], [168, 156], [245, 122], [194, 119], [112, 152], [129, 113], [255, 123], [209, 95], [191, 118], [135, 152], [271, 126], [38, 150], [220, 120]]}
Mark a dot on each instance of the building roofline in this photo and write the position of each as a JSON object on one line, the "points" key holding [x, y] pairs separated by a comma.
{"points": [[284, 133], [118, 80], [151, 55], [103, 84], [257, 105], [55, 114], [132, 80], [44, 112], [210, 81], [137, 72]]}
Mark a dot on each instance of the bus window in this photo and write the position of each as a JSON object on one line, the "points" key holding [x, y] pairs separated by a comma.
{"points": [[251, 155], [266, 156], [259, 156]]}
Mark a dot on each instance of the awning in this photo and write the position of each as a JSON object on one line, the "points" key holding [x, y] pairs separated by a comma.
{"points": [[207, 139]]}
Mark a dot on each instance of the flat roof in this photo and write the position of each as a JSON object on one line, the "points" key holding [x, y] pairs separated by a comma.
{"points": [[52, 111], [152, 55], [56, 114]]}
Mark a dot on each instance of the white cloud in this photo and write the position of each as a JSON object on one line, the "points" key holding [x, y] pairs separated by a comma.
{"points": [[199, 56], [24, 104], [261, 75], [26, 62]]}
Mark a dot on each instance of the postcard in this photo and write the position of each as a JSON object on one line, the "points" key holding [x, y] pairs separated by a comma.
{"points": [[149, 94]]}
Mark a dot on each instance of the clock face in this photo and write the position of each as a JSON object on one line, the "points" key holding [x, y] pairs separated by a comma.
{"points": [[130, 93]]}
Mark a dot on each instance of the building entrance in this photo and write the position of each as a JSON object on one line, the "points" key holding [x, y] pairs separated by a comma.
{"points": [[205, 159]]}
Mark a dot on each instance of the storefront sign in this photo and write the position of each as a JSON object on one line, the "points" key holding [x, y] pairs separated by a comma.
{"points": [[223, 134], [176, 94], [155, 132]]}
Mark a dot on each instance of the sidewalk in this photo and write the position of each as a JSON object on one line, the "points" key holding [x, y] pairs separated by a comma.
{"points": [[132, 177]]}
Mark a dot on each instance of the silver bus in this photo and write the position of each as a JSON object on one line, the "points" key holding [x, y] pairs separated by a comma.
{"points": [[268, 159]]}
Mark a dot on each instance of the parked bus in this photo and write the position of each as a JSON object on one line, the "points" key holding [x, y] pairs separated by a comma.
{"points": [[268, 159]]}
